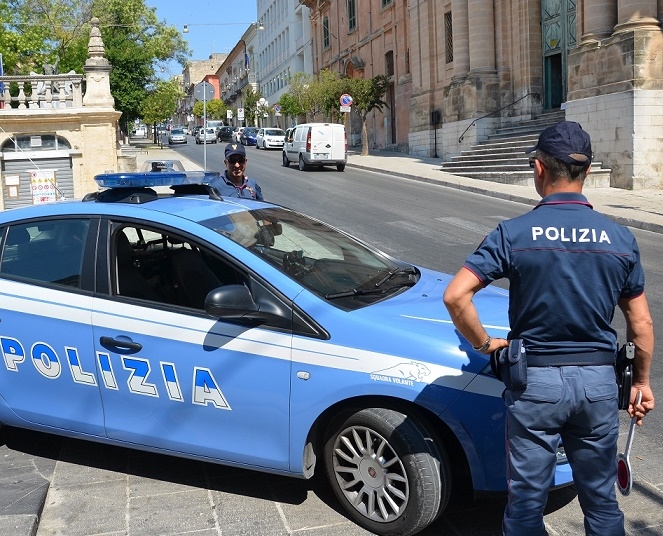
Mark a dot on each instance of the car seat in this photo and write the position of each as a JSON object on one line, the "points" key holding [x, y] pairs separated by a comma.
{"points": [[130, 281], [193, 276]]}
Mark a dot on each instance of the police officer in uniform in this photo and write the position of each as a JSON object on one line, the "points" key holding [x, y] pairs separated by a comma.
{"points": [[233, 182], [568, 268]]}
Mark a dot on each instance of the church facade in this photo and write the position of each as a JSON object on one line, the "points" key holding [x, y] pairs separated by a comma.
{"points": [[461, 69]]}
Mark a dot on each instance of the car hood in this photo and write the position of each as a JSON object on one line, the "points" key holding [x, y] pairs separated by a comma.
{"points": [[414, 325]]}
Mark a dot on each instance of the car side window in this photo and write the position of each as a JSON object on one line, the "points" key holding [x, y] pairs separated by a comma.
{"points": [[155, 265], [46, 251]]}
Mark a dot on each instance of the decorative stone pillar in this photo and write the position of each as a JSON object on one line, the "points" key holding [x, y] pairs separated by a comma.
{"points": [[599, 20], [461, 39], [632, 14], [482, 36], [97, 71]]}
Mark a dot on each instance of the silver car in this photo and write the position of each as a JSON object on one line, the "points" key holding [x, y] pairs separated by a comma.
{"points": [[206, 135], [177, 135]]}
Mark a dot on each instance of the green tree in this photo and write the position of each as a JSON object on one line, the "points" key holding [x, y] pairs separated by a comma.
{"points": [[290, 106], [216, 109], [251, 98], [367, 95], [160, 104], [44, 31]]}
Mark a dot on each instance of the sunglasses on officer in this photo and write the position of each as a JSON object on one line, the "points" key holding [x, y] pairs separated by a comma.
{"points": [[236, 160]]}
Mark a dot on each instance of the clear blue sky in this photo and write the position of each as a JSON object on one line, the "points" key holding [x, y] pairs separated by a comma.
{"points": [[214, 25]]}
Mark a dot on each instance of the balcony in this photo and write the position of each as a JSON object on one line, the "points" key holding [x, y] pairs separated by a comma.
{"points": [[42, 91]]}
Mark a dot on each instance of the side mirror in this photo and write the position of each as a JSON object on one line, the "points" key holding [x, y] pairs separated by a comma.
{"points": [[230, 302]]}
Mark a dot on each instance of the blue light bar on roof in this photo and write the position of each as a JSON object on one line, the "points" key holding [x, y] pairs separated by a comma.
{"points": [[152, 180]]}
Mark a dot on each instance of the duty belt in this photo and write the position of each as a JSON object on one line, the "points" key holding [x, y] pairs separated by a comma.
{"points": [[583, 359]]}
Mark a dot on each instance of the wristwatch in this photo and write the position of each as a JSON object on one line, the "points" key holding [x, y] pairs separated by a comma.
{"points": [[484, 346]]}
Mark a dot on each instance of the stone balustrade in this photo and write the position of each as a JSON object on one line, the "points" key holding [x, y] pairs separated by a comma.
{"points": [[41, 91]]}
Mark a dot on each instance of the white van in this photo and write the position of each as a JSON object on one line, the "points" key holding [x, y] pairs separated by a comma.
{"points": [[316, 144]]}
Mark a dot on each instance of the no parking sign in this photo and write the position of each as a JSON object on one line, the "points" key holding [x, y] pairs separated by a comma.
{"points": [[346, 102]]}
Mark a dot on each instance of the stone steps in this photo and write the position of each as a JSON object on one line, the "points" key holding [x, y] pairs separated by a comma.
{"points": [[501, 158]]}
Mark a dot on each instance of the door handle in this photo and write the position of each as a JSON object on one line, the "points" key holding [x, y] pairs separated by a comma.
{"points": [[129, 345]]}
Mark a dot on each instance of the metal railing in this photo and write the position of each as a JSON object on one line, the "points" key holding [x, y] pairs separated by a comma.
{"points": [[41, 91], [462, 136]]}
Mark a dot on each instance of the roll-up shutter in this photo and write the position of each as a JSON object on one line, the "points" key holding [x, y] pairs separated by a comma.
{"points": [[64, 179]]}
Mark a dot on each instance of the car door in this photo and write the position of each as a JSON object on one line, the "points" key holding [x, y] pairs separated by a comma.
{"points": [[48, 373], [172, 377]]}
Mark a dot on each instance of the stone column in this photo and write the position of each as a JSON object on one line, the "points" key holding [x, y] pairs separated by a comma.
{"points": [[97, 71], [482, 36], [599, 19], [461, 39], [633, 14]]}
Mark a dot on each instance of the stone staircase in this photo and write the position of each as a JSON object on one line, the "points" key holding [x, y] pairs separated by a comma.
{"points": [[501, 158]]}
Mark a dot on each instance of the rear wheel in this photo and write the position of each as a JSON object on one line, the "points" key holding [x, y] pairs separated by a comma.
{"points": [[386, 471], [286, 162], [340, 167], [302, 164]]}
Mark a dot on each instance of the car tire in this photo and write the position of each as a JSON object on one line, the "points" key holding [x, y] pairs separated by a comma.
{"points": [[340, 167], [263, 146], [257, 146], [384, 468], [286, 162], [302, 164]]}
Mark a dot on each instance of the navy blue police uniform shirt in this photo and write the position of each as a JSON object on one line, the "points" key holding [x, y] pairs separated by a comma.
{"points": [[226, 188], [567, 267]]}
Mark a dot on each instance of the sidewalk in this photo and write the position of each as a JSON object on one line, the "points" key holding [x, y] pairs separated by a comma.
{"points": [[642, 209]]}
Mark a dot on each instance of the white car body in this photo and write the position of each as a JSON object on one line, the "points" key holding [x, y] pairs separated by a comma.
{"points": [[270, 138]]}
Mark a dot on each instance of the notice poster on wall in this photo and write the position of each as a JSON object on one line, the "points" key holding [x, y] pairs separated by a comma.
{"points": [[42, 184]]}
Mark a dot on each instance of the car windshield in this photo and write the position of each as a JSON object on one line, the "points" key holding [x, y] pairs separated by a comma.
{"points": [[177, 131], [250, 131], [324, 260], [274, 132]]}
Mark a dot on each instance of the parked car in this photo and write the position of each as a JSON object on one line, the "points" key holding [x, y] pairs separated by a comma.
{"points": [[162, 165], [237, 132], [264, 338], [206, 135], [316, 145], [270, 138], [248, 136], [225, 134], [176, 135]]}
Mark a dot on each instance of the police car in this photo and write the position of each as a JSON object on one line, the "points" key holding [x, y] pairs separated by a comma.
{"points": [[244, 333]]}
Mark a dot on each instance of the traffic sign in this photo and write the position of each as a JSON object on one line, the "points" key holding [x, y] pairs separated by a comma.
{"points": [[203, 91], [345, 100], [240, 114]]}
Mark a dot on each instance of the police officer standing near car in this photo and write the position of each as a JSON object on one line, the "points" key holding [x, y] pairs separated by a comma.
{"points": [[233, 182], [568, 268]]}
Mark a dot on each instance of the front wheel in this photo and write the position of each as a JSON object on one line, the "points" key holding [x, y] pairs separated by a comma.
{"points": [[286, 162], [386, 471]]}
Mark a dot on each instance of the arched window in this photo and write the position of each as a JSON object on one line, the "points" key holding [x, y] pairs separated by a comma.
{"points": [[35, 142]]}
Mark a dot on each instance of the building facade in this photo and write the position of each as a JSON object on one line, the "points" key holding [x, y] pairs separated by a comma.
{"points": [[283, 47], [364, 39], [461, 69]]}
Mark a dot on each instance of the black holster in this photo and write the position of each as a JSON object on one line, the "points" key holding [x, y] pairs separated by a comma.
{"points": [[510, 365], [624, 374]]}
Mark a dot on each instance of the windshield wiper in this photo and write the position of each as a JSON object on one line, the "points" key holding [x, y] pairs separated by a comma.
{"points": [[364, 291], [409, 270]]}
